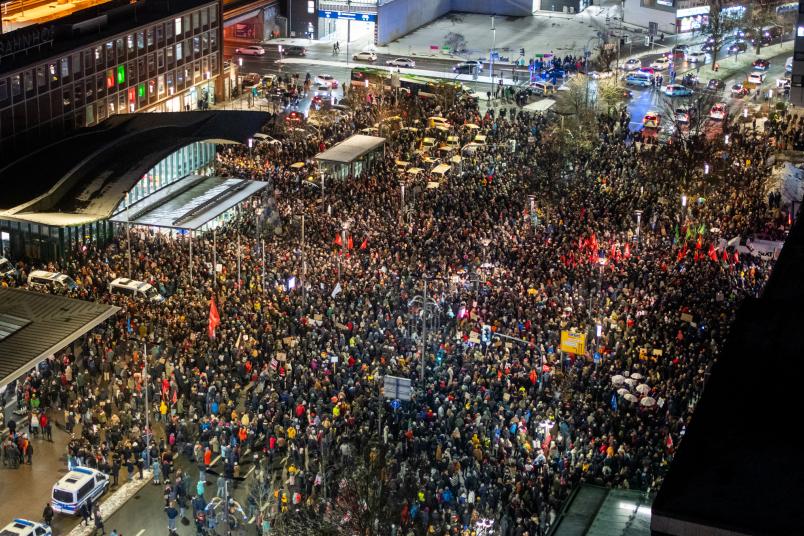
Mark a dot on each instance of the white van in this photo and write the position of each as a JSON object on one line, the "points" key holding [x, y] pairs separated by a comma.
{"points": [[6, 268], [639, 79], [135, 289], [23, 527], [76, 487], [542, 88], [51, 280], [788, 65]]}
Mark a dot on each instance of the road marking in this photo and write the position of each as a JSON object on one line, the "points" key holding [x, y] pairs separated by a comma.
{"points": [[140, 532], [215, 461]]}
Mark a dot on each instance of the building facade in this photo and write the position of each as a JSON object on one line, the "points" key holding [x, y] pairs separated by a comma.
{"points": [[797, 78], [171, 63]]}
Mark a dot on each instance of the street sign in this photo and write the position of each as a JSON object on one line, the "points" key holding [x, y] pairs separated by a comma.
{"points": [[395, 387], [348, 15], [573, 343], [596, 357]]}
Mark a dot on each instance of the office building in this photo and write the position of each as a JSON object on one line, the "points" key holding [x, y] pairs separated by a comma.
{"points": [[119, 57]]}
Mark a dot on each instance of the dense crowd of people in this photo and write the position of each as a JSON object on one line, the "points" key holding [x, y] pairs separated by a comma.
{"points": [[502, 423]]}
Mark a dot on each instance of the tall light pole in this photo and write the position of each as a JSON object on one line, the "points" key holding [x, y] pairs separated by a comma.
{"points": [[147, 408], [402, 203], [683, 209], [638, 214], [491, 54], [128, 237]]}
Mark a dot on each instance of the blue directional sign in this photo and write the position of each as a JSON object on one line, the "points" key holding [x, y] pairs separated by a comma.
{"points": [[596, 357], [348, 15], [396, 404]]}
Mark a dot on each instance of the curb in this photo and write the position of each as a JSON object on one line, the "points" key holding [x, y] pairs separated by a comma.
{"points": [[114, 502]]}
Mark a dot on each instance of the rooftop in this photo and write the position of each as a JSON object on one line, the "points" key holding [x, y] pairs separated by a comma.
{"points": [[351, 149], [90, 25], [42, 325], [737, 470], [84, 177]]}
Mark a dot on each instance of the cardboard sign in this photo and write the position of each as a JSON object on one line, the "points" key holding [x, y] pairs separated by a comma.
{"points": [[281, 356], [657, 352], [686, 317]]}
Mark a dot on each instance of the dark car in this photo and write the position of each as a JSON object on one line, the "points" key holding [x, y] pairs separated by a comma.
{"points": [[716, 84], [295, 51], [468, 67], [761, 64], [690, 80], [737, 46], [680, 50]]}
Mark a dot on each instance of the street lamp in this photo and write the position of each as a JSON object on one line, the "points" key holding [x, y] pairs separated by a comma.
{"points": [[683, 208], [706, 169], [638, 214], [491, 54]]}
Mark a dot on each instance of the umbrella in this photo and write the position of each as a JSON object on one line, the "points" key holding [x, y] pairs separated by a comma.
{"points": [[297, 165], [630, 397], [617, 379], [622, 391], [471, 126], [648, 401], [643, 388], [630, 381], [637, 375]]}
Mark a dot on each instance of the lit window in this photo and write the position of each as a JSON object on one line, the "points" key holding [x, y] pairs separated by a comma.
{"points": [[800, 31], [177, 21], [310, 6], [65, 67]]}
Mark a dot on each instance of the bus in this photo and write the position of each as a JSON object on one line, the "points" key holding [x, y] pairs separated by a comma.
{"points": [[423, 86]]}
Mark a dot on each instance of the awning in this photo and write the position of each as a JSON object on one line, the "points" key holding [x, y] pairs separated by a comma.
{"points": [[456, 159], [351, 149], [297, 165], [472, 126], [540, 106], [480, 138], [415, 170], [432, 185], [37, 325], [440, 169], [193, 207], [402, 163]]}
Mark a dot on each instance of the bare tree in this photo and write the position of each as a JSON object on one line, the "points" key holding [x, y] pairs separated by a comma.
{"points": [[606, 55], [720, 25], [758, 14], [697, 108]]}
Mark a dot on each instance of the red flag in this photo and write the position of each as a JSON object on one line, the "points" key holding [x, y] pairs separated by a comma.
{"points": [[627, 252], [712, 253], [338, 240], [214, 318], [349, 243], [699, 243], [725, 255], [696, 256], [364, 245], [736, 257], [682, 253]]}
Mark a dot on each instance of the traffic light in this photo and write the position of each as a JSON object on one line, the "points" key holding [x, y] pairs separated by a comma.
{"points": [[522, 52]]}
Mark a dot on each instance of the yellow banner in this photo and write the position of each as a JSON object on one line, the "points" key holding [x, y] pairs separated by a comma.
{"points": [[573, 343]]}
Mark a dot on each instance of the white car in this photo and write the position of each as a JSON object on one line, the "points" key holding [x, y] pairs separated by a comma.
{"points": [[632, 65], [365, 56], [660, 64], [756, 78], [783, 83], [696, 57], [718, 111], [326, 80], [23, 527], [598, 75], [401, 62], [251, 50]]}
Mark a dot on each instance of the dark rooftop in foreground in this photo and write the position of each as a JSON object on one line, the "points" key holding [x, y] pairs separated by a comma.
{"points": [[45, 324], [105, 161], [738, 469], [90, 25]]}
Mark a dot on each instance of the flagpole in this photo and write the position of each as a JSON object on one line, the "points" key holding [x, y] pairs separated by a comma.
{"points": [[238, 259], [147, 409]]}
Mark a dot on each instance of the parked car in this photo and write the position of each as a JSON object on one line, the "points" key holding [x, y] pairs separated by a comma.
{"points": [[761, 64], [652, 119], [401, 62], [661, 63], [366, 55], [739, 90], [327, 80], [468, 67], [689, 80], [680, 50], [715, 84], [737, 46], [696, 57], [250, 50], [684, 114], [756, 78], [632, 65], [718, 111], [677, 90], [598, 75]]}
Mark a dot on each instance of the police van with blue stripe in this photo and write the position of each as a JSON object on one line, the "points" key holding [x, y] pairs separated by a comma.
{"points": [[23, 527], [76, 488]]}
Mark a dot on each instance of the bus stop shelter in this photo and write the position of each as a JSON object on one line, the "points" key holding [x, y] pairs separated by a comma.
{"points": [[350, 156], [34, 326]]}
